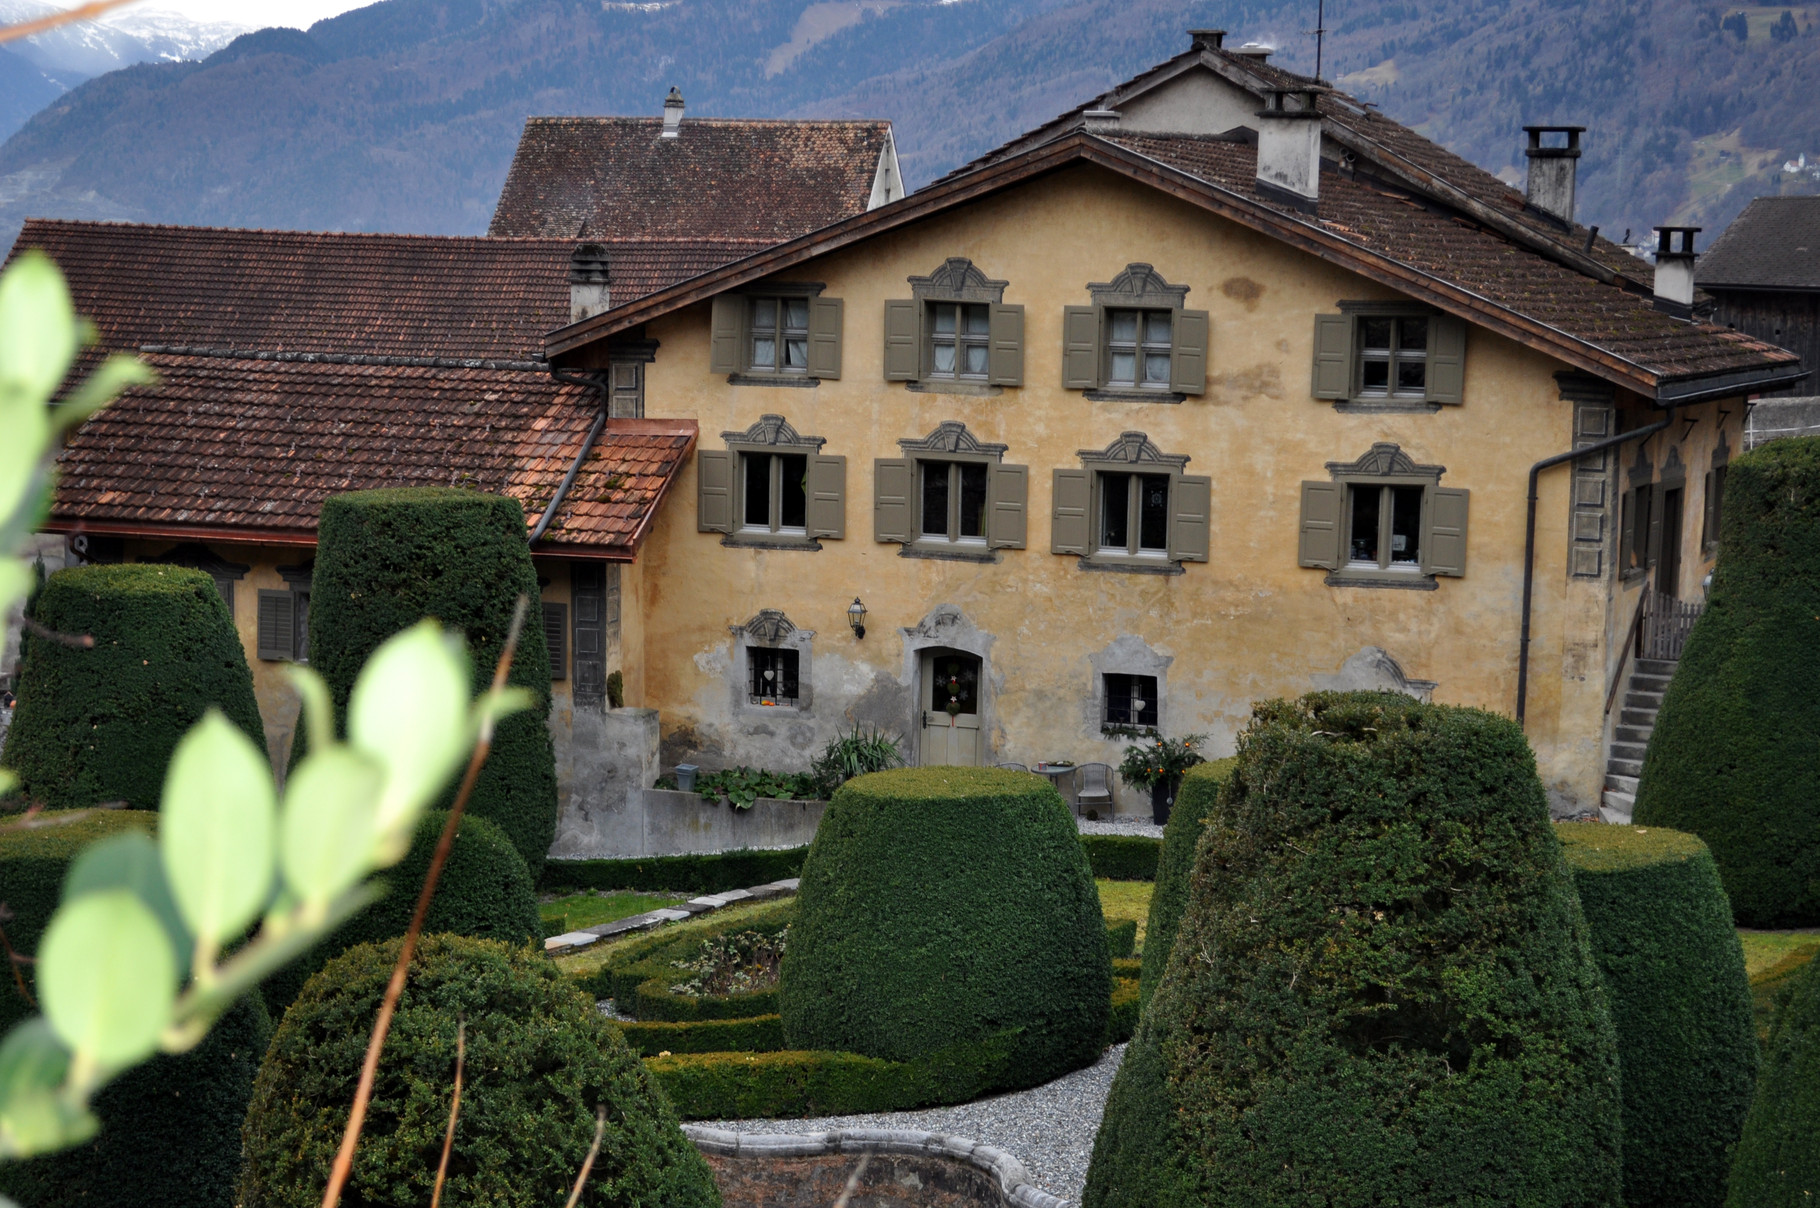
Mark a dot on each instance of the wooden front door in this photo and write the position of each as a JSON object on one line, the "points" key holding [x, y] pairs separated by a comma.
{"points": [[950, 699]]}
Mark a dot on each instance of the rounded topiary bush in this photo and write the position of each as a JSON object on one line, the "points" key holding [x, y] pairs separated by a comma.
{"points": [[99, 725], [1777, 1164], [945, 907], [1680, 1003], [1382, 990], [485, 891], [1194, 805], [540, 1060], [170, 1129], [387, 559], [1732, 755]]}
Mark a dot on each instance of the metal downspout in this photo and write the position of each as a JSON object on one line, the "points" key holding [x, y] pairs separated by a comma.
{"points": [[599, 387], [1529, 539]]}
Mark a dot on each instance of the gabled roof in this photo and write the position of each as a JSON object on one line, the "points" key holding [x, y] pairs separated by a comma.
{"points": [[1390, 234], [235, 449], [720, 178], [1774, 244], [291, 293]]}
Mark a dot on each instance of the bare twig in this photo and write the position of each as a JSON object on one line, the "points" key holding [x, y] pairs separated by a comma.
{"points": [[14, 960], [77, 641], [388, 1006], [853, 1179], [587, 1163], [448, 1138], [85, 12]]}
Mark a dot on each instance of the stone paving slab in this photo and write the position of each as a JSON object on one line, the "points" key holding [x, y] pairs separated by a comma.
{"points": [[571, 940]]}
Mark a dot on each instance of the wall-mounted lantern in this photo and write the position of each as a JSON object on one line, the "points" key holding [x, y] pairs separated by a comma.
{"points": [[856, 617]]}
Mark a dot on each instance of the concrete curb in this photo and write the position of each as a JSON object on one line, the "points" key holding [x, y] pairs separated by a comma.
{"points": [[571, 941], [1009, 1174]]}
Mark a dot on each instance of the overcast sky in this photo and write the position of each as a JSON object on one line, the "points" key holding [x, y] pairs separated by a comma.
{"points": [[256, 13]]}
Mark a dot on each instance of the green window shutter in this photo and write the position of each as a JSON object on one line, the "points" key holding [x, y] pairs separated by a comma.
{"points": [[903, 357], [1007, 524], [555, 636], [1444, 544], [1068, 522], [1446, 359], [277, 625], [714, 491], [824, 337], [1333, 356], [1190, 517], [827, 496], [1005, 363], [1080, 348], [1188, 354], [1322, 505], [892, 481], [1653, 495], [725, 330]]}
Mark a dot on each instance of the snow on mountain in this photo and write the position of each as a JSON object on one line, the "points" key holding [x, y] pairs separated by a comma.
{"points": [[119, 39]]}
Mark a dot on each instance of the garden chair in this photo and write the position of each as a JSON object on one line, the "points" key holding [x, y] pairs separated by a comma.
{"points": [[1012, 767], [1093, 788]]}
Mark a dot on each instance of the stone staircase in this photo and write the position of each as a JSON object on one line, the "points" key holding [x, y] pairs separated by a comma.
{"points": [[1642, 698]]}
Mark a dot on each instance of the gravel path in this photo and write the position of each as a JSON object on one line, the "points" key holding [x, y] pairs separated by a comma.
{"points": [[1050, 1128], [1149, 829]]}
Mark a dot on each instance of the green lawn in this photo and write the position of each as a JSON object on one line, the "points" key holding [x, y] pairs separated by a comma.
{"points": [[590, 959], [590, 909], [1763, 949], [1121, 900]]}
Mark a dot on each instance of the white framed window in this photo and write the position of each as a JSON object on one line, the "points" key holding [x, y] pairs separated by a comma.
{"points": [[1133, 514], [1138, 348], [1130, 700], [952, 500], [779, 339], [774, 492], [1383, 521], [1393, 357], [1384, 527], [960, 340]]}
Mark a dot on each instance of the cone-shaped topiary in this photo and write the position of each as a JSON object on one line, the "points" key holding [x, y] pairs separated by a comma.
{"points": [[387, 559], [1194, 805], [945, 907], [1732, 755], [1381, 992], [170, 1129], [1680, 1003], [99, 725], [540, 1060], [485, 891], [1777, 1164]]}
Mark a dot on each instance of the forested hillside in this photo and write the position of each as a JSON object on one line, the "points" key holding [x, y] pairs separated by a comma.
{"points": [[403, 115]]}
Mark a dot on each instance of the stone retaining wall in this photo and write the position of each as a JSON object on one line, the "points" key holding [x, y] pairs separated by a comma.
{"points": [[901, 1170], [663, 822]]}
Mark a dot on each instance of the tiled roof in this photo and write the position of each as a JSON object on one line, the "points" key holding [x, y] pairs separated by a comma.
{"points": [[251, 448], [1395, 223], [618, 177], [337, 293], [1774, 244]]}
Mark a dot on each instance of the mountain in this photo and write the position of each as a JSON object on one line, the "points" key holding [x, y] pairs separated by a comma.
{"points": [[403, 115]]}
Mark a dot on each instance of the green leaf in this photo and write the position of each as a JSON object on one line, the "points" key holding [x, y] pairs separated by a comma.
{"points": [[39, 334], [102, 387], [26, 423], [34, 1117], [107, 978], [409, 711], [327, 830], [32, 1057], [130, 861], [318, 708], [216, 828]]}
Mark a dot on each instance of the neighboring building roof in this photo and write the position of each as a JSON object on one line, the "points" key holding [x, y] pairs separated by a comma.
{"points": [[1774, 244], [429, 297], [227, 448], [720, 178], [1371, 226]]}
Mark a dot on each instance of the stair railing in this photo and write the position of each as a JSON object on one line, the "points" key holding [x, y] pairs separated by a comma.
{"points": [[1633, 644]]}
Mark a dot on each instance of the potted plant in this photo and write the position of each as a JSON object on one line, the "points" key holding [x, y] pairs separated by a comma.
{"points": [[1158, 765]]}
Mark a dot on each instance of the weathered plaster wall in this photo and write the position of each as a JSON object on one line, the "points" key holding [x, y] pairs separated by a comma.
{"points": [[1246, 625]]}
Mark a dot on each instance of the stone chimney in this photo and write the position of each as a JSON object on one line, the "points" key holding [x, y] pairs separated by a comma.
{"points": [[588, 294], [1206, 39], [1675, 270], [1289, 147], [1101, 121], [1552, 170], [673, 111]]}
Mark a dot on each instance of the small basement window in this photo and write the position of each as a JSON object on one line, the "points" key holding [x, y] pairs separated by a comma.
{"points": [[1131, 700], [772, 676]]}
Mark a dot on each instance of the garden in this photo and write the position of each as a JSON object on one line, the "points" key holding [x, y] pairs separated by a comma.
{"points": [[1361, 966]]}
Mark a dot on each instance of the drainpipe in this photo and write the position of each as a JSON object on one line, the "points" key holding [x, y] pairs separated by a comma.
{"points": [[599, 387], [1529, 539]]}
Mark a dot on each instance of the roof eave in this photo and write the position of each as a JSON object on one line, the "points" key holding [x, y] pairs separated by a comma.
{"points": [[1682, 392]]}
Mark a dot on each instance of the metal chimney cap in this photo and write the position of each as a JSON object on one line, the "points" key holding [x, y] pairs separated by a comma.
{"points": [[1255, 50], [675, 99]]}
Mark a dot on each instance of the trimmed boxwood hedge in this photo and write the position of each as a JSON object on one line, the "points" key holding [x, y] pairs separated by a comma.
{"points": [[539, 1058], [170, 1129], [1778, 1158], [1194, 804], [1382, 990], [639, 976], [1731, 758], [34, 859], [759, 1034], [940, 907], [1680, 1001], [484, 892], [1122, 857], [1770, 987], [99, 726], [1121, 938], [385, 560], [676, 874]]}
